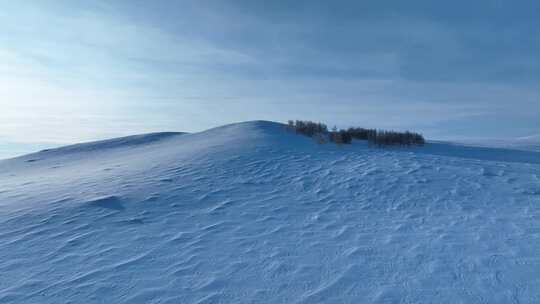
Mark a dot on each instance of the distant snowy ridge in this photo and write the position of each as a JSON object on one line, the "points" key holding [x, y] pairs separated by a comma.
{"points": [[531, 138], [526, 143], [496, 150], [253, 213], [120, 142]]}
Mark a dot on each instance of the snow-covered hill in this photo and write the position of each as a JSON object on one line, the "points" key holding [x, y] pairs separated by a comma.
{"points": [[252, 213]]}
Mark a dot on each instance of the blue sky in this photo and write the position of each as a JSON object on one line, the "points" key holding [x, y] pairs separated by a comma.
{"points": [[74, 71]]}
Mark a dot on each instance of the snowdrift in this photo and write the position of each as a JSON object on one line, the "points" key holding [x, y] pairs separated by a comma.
{"points": [[252, 213]]}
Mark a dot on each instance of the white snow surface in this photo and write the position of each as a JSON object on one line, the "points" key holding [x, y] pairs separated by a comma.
{"points": [[253, 213]]}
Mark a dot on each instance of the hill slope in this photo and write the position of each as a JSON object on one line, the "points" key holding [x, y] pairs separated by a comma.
{"points": [[251, 213]]}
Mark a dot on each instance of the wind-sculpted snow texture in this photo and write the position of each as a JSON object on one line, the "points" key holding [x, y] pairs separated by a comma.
{"points": [[251, 213]]}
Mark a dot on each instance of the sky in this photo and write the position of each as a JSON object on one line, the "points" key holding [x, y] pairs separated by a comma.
{"points": [[73, 71]]}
